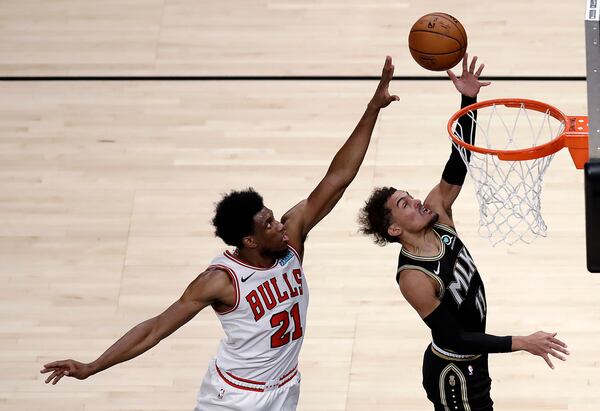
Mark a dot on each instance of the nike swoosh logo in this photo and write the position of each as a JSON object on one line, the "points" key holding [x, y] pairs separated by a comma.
{"points": [[246, 278], [437, 272]]}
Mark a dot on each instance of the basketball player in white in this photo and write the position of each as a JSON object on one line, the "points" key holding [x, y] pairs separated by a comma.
{"points": [[258, 291]]}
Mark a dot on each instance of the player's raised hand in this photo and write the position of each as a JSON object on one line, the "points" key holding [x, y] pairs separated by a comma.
{"points": [[69, 368], [382, 97], [544, 345], [468, 83]]}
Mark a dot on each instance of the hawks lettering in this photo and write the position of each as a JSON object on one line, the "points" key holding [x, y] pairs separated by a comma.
{"points": [[480, 304], [464, 269]]}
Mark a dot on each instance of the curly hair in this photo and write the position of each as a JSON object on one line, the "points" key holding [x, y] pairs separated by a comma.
{"points": [[374, 217], [234, 214]]}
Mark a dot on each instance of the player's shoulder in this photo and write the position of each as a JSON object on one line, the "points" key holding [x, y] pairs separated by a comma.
{"points": [[214, 283], [408, 277], [418, 290], [414, 282], [213, 275]]}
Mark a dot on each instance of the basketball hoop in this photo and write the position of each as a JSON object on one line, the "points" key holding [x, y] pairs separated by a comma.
{"points": [[516, 141]]}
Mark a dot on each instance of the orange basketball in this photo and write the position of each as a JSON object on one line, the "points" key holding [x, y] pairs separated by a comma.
{"points": [[437, 41]]}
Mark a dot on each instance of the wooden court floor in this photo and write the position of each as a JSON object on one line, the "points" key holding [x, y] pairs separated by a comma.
{"points": [[107, 192]]}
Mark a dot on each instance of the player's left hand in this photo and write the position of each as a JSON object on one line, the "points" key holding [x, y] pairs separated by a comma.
{"points": [[69, 368], [468, 83], [545, 345], [382, 97]]}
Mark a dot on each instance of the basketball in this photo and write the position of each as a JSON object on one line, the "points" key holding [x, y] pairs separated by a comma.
{"points": [[437, 41]]}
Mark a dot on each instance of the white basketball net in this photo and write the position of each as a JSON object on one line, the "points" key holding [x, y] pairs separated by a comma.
{"points": [[509, 192]]}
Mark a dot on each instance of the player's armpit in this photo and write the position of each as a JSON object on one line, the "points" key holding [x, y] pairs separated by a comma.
{"points": [[293, 220]]}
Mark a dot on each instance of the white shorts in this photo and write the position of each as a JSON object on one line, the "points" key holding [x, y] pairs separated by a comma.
{"points": [[219, 395]]}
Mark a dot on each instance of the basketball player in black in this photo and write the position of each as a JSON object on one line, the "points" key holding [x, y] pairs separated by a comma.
{"points": [[438, 277]]}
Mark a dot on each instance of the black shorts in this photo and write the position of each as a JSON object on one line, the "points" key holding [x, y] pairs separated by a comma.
{"points": [[457, 384]]}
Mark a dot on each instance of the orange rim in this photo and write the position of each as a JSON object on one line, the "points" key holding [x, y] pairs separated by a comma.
{"points": [[574, 136]]}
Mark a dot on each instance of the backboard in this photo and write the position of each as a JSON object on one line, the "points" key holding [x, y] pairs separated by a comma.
{"points": [[592, 168]]}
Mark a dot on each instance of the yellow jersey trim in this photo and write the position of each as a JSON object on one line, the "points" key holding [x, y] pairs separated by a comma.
{"points": [[434, 258]]}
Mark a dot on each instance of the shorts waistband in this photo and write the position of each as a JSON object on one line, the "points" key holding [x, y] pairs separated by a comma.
{"points": [[257, 386], [449, 355]]}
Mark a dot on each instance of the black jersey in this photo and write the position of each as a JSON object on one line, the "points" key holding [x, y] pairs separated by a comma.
{"points": [[461, 287]]}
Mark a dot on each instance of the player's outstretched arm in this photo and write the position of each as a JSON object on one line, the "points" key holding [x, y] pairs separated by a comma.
{"points": [[468, 85], [421, 294], [210, 286], [345, 164]]}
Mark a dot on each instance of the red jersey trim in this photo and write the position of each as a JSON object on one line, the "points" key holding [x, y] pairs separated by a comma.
{"points": [[296, 253], [259, 386], [289, 372], [235, 282], [240, 262], [240, 387], [282, 383], [244, 379]]}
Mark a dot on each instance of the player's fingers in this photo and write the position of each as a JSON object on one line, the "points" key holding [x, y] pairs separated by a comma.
{"points": [[386, 76], [464, 63], [54, 364], [451, 75], [46, 370], [54, 374], [388, 63], [390, 74], [545, 357], [485, 83], [557, 355], [479, 70], [58, 377], [560, 348], [559, 342], [473, 64], [395, 98]]}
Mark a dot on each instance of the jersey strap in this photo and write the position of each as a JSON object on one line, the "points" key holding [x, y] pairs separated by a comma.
{"points": [[234, 281]]}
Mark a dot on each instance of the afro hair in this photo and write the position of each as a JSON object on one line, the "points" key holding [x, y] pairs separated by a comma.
{"points": [[234, 214]]}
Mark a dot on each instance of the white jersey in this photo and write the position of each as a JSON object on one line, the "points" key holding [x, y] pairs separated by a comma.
{"points": [[265, 329]]}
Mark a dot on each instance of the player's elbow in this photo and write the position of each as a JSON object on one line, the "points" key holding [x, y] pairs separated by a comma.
{"points": [[154, 333], [339, 180]]}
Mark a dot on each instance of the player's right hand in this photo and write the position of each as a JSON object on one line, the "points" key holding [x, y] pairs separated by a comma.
{"points": [[69, 368], [468, 83], [545, 344], [382, 97]]}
